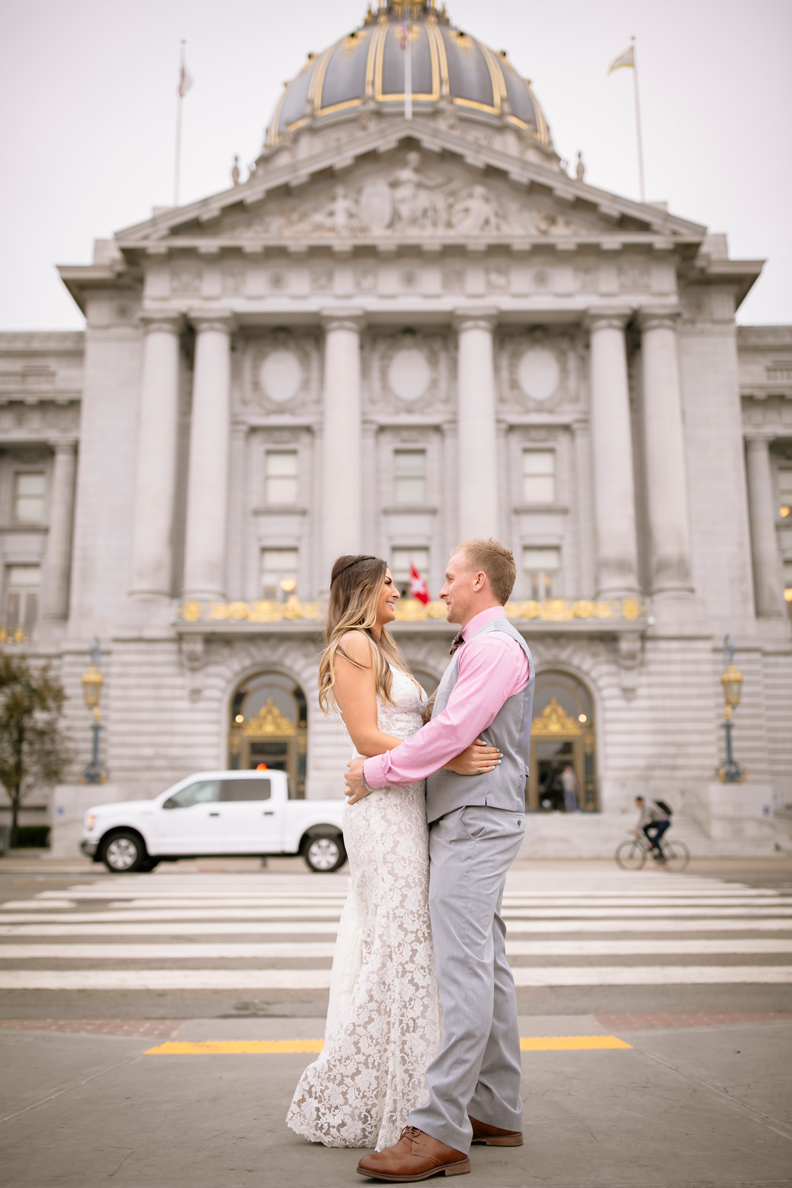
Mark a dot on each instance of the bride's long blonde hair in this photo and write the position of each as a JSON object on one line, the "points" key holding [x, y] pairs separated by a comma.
{"points": [[355, 588]]}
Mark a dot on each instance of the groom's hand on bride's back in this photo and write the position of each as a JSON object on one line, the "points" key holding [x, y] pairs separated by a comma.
{"points": [[477, 759]]}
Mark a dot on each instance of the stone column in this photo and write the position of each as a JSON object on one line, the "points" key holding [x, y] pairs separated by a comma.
{"points": [[768, 583], [57, 560], [664, 455], [155, 482], [342, 489], [476, 426], [207, 485], [612, 460]]}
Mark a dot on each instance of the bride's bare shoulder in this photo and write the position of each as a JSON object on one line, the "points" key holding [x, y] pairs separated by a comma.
{"points": [[356, 645]]}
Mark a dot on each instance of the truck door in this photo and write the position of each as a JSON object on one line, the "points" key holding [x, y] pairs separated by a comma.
{"points": [[190, 821], [252, 819]]}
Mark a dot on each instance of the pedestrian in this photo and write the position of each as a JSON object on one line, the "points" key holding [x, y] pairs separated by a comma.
{"points": [[570, 786]]}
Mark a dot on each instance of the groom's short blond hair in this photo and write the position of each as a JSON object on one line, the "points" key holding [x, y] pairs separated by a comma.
{"points": [[495, 560]]}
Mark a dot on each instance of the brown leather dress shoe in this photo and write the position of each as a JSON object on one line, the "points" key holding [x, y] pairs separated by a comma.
{"points": [[493, 1136], [416, 1156]]}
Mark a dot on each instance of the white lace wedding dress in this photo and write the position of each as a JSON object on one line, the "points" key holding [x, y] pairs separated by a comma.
{"points": [[383, 1021]]}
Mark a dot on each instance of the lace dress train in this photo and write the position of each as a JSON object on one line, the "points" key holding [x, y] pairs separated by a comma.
{"points": [[383, 1022]]}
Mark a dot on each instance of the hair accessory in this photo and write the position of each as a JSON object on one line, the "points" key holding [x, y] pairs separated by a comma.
{"points": [[357, 561]]}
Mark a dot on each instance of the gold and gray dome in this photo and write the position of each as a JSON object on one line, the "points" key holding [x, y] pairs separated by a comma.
{"points": [[449, 67]]}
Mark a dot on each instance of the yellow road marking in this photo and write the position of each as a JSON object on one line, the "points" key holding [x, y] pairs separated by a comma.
{"points": [[541, 1043], [569, 1043]]}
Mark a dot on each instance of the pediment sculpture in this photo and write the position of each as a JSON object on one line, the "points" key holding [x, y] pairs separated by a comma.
{"points": [[408, 199]]}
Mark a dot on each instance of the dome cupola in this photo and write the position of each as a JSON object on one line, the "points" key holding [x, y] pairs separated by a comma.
{"points": [[450, 70]]}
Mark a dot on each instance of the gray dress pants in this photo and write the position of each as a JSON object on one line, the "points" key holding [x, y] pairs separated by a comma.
{"points": [[477, 1067]]}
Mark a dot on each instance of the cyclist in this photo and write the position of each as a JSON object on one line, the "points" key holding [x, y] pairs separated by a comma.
{"points": [[653, 822]]}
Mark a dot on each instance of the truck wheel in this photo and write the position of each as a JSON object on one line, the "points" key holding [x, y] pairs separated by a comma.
{"points": [[123, 852], [325, 852]]}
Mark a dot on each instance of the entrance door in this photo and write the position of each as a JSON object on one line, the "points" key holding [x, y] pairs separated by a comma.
{"points": [[269, 727], [563, 732]]}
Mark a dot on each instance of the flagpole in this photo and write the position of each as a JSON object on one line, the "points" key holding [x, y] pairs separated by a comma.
{"points": [[179, 101], [638, 123], [407, 65]]}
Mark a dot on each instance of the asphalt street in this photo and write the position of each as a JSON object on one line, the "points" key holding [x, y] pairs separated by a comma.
{"points": [[153, 1026]]}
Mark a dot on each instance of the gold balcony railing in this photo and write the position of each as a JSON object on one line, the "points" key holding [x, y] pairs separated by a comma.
{"points": [[410, 610]]}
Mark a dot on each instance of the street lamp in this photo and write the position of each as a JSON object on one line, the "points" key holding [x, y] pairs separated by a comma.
{"points": [[92, 681], [731, 681]]}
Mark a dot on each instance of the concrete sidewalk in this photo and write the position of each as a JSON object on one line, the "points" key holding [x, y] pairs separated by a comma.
{"points": [[685, 1106]]}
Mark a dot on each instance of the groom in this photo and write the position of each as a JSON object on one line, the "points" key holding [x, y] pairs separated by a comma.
{"points": [[476, 827]]}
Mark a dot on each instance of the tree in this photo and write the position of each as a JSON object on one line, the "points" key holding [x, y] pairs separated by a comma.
{"points": [[33, 749]]}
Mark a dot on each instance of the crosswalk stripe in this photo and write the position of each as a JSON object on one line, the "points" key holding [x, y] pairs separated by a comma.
{"points": [[319, 979], [234, 927], [231, 950], [611, 921], [510, 906]]}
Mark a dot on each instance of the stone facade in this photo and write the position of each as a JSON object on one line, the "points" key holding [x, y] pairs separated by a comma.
{"points": [[395, 334]]}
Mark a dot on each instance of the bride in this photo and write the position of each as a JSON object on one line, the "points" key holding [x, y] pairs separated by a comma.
{"points": [[383, 1020]]}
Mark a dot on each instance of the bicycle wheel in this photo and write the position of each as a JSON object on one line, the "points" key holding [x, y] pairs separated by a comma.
{"points": [[677, 855], [630, 855]]}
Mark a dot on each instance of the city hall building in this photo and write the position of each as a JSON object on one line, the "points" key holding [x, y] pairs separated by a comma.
{"points": [[407, 328]]}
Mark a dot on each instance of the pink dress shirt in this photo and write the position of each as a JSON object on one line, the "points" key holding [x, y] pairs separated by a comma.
{"points": [[492, 668]]}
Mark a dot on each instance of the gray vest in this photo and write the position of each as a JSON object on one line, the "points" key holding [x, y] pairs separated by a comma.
{"points": [[503, 788]]}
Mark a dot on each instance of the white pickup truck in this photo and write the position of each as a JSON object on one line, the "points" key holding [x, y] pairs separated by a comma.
{"points": [[216, 813]]}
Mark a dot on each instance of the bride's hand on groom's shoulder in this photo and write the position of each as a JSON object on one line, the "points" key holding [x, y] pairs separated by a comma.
{"points": [[477, 759]]}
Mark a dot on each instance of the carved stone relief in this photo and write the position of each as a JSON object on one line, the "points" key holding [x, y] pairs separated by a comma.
{"points": [[539, 368], [773, 415], [17, 418], [634, 277], [321, 280], [415, 196], [498, 277], [185, 279], [407, 371], [233, 279], [453, 279], [587, 278], [281, 372]]}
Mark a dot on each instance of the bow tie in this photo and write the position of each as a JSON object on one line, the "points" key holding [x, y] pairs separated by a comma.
{"points": [[457, 644]]}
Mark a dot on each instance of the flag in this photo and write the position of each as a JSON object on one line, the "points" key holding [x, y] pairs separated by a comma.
{"points": [[185, 82], [625, 59], [405, 33], [418, 587]]}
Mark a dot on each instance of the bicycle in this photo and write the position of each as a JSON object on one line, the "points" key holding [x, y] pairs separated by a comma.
{"points": [[633, 853]]}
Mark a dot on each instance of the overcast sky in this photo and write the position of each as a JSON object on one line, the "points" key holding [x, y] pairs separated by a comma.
{"points": [[88, 106]]}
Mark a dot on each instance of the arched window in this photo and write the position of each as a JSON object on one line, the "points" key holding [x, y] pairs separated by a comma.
{"points": [[563, 732], [269, 725]]}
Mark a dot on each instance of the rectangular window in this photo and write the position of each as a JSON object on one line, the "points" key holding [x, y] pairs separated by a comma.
{"points": [[29, 491], [401, 560], [279, 571], [409, 471], [785, 492], [280, 482], [246, 789], [22, 596], [539, 476], [542, 567]]}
